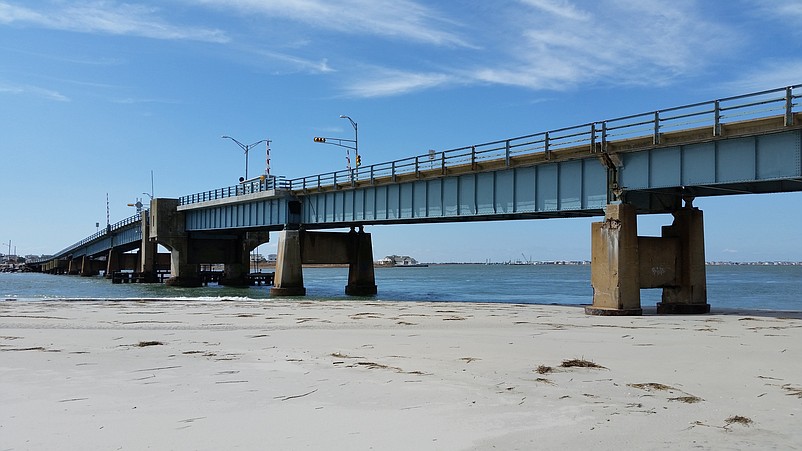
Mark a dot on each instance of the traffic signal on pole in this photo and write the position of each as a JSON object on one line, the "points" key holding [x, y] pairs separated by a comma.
{"points": [[318, 139], [358, 160]]}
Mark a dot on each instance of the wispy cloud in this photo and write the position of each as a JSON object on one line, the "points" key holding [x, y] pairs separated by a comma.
{"points": [[36, 91], [321, 66], [768, 75], [107, 17], [562, 44], [383, 83], [403, 20]]}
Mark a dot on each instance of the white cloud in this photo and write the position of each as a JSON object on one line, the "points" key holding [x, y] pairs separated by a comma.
{"points": [[404, 20], [618, 41], [768, 75], [321, 66], [33, 90], [390, 83], [107, 17], [559, 44], [560, 8]]}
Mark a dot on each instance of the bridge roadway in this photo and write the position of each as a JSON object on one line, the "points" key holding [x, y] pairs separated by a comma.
{"points": [[645, 163]]}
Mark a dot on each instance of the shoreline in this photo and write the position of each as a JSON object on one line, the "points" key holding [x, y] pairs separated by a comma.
{"points": [[345, 374]]}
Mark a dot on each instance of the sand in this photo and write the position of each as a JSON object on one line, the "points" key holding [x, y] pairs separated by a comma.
{"points": [[356, 375]]}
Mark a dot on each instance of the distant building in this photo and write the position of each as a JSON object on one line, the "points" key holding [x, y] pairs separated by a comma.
{"points": [[398, 260]]}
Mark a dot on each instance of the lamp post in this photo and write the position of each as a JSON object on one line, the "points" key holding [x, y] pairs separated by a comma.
{"points": [[340, 143], [356, 140], [246, 148]]}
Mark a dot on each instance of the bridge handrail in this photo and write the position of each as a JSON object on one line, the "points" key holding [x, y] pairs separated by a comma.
{"points": [[592, 134], [111, 228]]}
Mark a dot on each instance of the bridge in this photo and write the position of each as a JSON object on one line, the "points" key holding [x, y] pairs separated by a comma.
{"points": [[655, 162]]}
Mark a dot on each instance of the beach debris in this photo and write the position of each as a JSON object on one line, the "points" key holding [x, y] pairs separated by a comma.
{"points": [[690, 399], [580, 363], [287, 398], [143, 344], [469, 359], [72, 399], [36, 348], [544, 369], [544, 380], [366, 315], [739, 420], [792, 391], [649, 386], [340, 355]]}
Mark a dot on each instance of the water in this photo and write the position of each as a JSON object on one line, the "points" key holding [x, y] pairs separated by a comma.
{"points": [[729, 287]]}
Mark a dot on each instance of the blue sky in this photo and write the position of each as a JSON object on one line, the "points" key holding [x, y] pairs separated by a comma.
{"points": [[96, 94]]}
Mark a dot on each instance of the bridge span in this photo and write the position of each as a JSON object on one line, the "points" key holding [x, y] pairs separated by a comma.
{"points": [[655, 162]]}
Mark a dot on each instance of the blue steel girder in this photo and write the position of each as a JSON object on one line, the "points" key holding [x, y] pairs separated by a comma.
{"points": [[566, 188], [268, 212], [760, 163]]}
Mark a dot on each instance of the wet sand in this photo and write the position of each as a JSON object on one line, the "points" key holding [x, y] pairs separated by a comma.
{"points": [[354, 375]]}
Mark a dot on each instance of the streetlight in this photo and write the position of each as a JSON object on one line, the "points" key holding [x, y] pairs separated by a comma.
{"points": [[356, 139], [246, 148], [339, 142]]}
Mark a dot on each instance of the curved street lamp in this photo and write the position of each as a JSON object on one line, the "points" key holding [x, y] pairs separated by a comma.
{"points": [[246, 148], [356, 139]]}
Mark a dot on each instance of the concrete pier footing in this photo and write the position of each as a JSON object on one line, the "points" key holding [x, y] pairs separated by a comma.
{"points": [[622, 263]]}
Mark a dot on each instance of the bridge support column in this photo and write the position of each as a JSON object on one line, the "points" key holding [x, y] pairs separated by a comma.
{"points": [[361, 279], [73, 268], [236, 273], [168, 228], [614, 270], [146, 264], [689, 295], [289, 278], [112, 263], [622, 263], [182, 273]]}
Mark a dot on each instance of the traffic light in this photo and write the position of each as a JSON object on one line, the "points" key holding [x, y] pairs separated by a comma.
{"points": [[318, 139], [358, 160]]}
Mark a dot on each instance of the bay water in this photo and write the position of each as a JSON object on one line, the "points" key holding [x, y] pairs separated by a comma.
{"points": [[739, 287]]}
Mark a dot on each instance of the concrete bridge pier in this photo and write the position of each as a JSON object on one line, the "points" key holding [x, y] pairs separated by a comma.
{"points": [[689, 293], [622, 263], [236, 270], [296, 247], [147, 255], [113, 263], [614, 272], [361, 278], [289, 277], [90, 267], [167, 227]]}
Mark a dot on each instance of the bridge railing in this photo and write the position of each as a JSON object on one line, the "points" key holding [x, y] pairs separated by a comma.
{"points": [[595, 135], [256, 185], [111, 228]]}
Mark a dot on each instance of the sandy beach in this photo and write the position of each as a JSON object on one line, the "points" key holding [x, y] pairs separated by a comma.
{"points": [[356, 375]]}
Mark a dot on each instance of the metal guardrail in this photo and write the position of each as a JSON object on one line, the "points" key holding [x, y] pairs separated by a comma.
{"points": [[595, 135], [256, 185], [111, 228]]}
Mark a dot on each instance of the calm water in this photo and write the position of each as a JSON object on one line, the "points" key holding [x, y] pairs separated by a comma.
{"points": [[729, 287]]}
